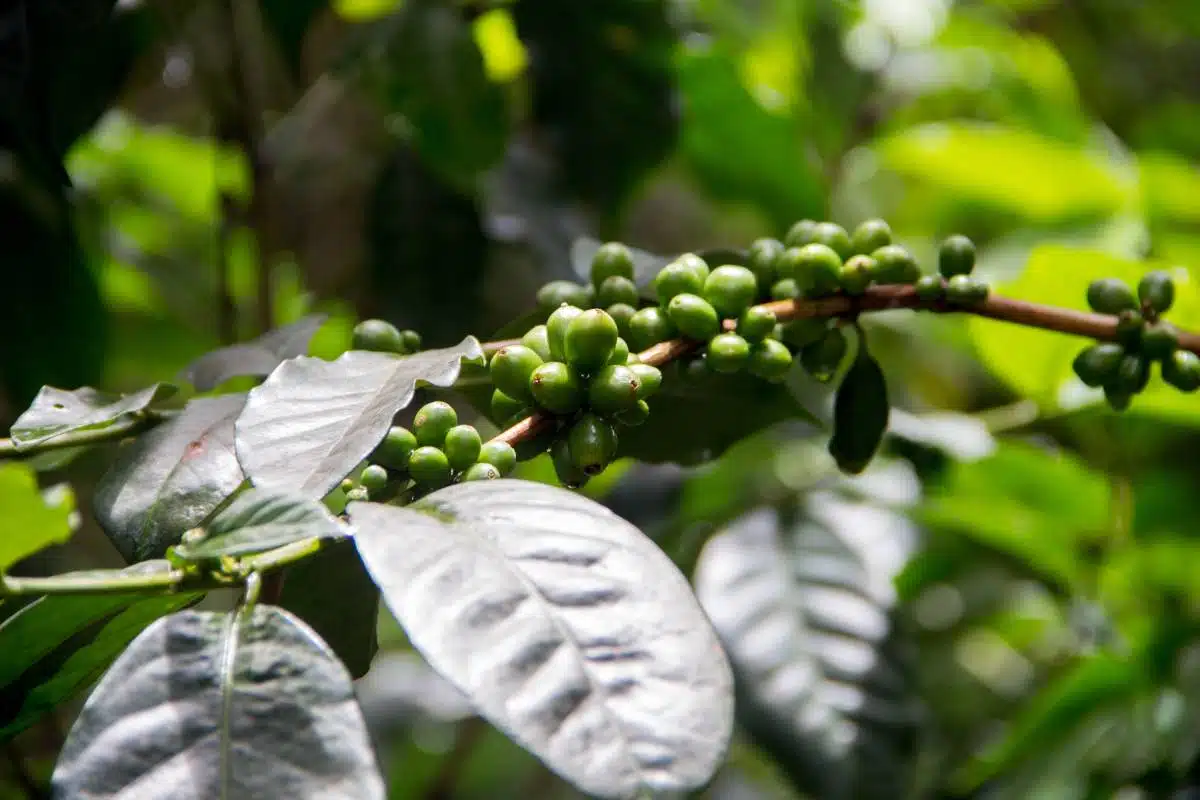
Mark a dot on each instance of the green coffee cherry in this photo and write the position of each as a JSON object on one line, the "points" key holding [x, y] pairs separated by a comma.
{"points": [[348, 483], [432, 423], [510, 370], [857, 274], [1117, 399], [802, 332], [556, 293], [358, 494], [1110, 296], [500, 455], [505, 408], [1182, 370], [1129, 328], [1097, 365], [649, 379], [557, 387], [816, 268], [1133, 373], [622, 314], [613, 389], [612, 259], [678, 277], [590, 340], [730, 289], [373, 478], [823, 357], [650, 326], [429, 465], [462, 446], [537, 340], [410, 341], [696, 369], [756, 323], [727, 353], [693, 316], [956, 256], [769, 360], [481, 472], [930, 288], [620, 353], [1156, 290], [761, 260], [835, 237], [1159, 340], [869, 236], [395, 448], [556, 330], [895, 265], [635, 416], [696, 264], [378, 336], [786, 289], [802, 233], [616, 289], [592, 444], [965, 290], [568, 474]]}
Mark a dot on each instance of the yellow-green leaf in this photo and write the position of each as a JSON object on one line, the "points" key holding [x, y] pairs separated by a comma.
{"points": [[29, 521]]}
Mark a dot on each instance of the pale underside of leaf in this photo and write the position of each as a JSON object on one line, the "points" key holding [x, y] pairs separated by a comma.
{"points": [[255, 358], [55, 412], [259, 520], [565, 626]]}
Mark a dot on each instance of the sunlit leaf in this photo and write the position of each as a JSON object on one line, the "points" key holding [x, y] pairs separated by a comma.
{"points": [[259, 520], [56, 411], [29, 521]]}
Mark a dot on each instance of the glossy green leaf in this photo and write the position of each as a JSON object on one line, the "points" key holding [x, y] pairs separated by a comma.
{"points": [[56, 411], [312, 421], [258, 357], [29, 520], [206, 705], [171, 478], [860, 413], [259, 520]]}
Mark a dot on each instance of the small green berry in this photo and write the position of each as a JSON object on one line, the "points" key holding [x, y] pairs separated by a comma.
{"points": [[1133, 373], [462, 446], [348, 483], [537, 340], [727, 353], [695, 263], [730, 290], [481, 472], [411, 341], [429, 465], [1156, 290], [649, 379], [835, 237], [856, 274], [505, 409], [556, 293], [557, 387], [616, 289], [1129, 328], [869, 236], [756, 323], [373, 478], [613, 389], [761, 260], [510, 370], [612, 259], [823, 357], [1110, 296], [1159, 340], [432, 423], [956, 256], [378, 336], [965, 290], [500, 455], [1097, 365], [395, 448], [650, 326], [1182, 370], [592, 443], [590, 340], [622, 314], [693, 316], [895, 265], [620, 353], [799, 333], [786, 289], [678, 278], [569, 475], [556, 330], [800, 234], [635, 416], [930, 287], [770, 360], [816, 268], [358, 494], [1117, 399]]}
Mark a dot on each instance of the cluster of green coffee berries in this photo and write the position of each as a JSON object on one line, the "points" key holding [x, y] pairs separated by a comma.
{"points": [[436, 452], [1122, 368], [381, 336]]}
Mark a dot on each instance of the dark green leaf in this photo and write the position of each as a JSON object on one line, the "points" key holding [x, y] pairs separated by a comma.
{"points": [[171, 478], [308, 425], [333, 593], [29, 521], [206, 705], [543, 582], [860, 414], [259, 520], [57, 411], [258, 357], [57, 645], [822, 684]]}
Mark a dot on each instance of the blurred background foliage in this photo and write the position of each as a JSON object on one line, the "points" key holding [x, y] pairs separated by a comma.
{"points": [[1005, 605]]}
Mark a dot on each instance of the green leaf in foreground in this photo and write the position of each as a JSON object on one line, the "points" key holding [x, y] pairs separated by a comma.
{"points": [[56, 412], [259, 520], [206, 705], [28, 521]]}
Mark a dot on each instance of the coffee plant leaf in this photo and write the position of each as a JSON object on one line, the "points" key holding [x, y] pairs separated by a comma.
{"points": [[31, 520], [56, 411], [259, 520], [256, 358]]}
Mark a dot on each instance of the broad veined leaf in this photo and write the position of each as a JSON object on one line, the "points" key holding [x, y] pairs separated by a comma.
{"points": [[171, 478], [29, 519], [564, 625], [257, 357], [57, 411], [309, 423], [204, 705], [51, 649], [259, 520], [822, 683]]}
